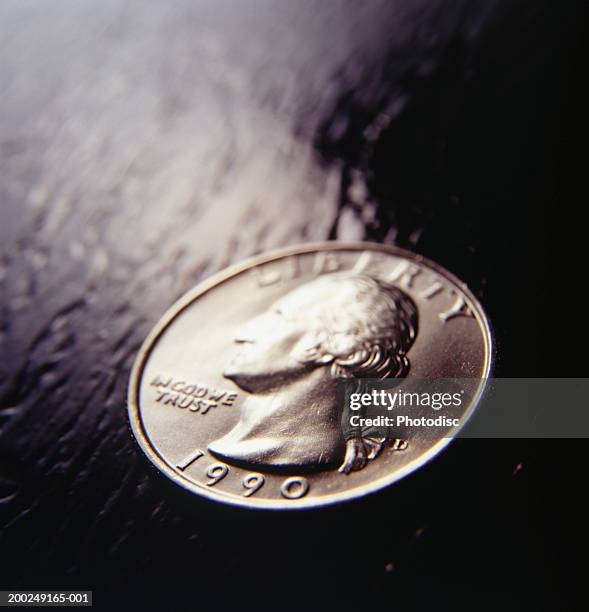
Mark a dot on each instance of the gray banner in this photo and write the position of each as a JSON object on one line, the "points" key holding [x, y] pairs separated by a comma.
{"points": [[467, 408]]}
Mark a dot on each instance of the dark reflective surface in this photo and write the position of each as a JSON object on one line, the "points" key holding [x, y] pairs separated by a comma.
{"points": [[146, 146]]}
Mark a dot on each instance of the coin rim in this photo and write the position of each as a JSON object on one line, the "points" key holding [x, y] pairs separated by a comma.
{"points": [[188, 298]]}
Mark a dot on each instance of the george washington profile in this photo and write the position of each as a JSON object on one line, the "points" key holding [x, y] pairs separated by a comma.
{"points": [[341, 325]]}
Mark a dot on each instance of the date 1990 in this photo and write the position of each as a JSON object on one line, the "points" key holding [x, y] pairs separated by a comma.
{"points": [[45, 598], [294, 487]]}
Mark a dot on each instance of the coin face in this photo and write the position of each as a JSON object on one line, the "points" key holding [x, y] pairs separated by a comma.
{"points": [[233, 395]]}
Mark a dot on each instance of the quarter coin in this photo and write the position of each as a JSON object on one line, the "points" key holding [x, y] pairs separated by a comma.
{"points": [[233, 395]]}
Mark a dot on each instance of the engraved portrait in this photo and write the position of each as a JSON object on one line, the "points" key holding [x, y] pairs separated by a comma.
{"points": [[289, 359]]}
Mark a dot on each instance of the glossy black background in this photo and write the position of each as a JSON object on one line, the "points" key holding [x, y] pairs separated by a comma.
{"points": [[462, 122]]}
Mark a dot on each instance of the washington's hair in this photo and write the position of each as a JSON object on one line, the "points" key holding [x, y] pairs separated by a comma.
{"points": [[363, 327]]}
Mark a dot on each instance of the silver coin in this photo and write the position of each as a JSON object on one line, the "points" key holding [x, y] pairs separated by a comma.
{"points": [[233, 393]]}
